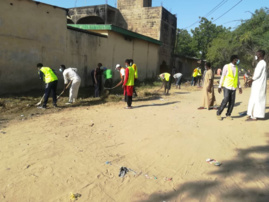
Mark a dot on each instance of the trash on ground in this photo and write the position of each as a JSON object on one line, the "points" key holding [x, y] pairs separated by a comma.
{"points": [[243, 113], [108, 163], [213, 162], [168, 179], [123, 171], [74, 197], [147, 176], [132, 171]]}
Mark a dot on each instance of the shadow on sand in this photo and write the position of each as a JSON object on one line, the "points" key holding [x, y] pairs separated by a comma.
{"points": [[252, 171], [156, 105]]}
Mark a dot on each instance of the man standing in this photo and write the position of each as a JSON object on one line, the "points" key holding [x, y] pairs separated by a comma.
{"points": [[230, 82], [199, 76], [121, 70], [49, 77], [177, 77], [128, 84], [208, 88], [194, 77], [257, 100], [166, 79], [136, 74], [108, 78], [98, 80], [70, 75]]}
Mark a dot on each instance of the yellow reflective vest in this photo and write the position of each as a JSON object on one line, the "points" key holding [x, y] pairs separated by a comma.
{"points": [[195, 73], [231, 80], [131, 76], [49, 75], [199, 72], [166, 76], [135, 68]]}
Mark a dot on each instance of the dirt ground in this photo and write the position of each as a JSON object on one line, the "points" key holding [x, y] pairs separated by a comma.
{"points": [[164, 141]]}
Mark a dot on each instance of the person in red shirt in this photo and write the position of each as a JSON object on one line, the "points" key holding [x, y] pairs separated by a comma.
{"points": [[128, 84]]}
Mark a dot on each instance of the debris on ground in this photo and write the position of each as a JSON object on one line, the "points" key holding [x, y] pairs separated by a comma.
{"points": [[123, 171], [213, 162], [74, 197], [168, 179]]}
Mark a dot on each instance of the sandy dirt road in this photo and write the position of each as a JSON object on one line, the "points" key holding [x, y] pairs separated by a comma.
{"points": [[45, 158]]}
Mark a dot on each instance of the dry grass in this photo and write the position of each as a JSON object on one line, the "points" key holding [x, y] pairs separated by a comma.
{"points": [[22, 107]]}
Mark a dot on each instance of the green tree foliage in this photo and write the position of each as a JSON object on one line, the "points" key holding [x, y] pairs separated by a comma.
{"points": [[185, 44], [204, 35], [250, 36]]}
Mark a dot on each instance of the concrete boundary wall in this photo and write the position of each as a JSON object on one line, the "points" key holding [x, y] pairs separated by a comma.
{"points": [[32, 32]]}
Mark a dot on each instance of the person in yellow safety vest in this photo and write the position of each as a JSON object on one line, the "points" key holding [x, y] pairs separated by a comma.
{"points": [[166, 79], [49, 77], [128, 84], [199, 76], [136, 74], [230, 82], [194, 77]]}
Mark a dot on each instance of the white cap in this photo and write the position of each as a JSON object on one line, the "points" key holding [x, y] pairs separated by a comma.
{"points": [[118, 65]]}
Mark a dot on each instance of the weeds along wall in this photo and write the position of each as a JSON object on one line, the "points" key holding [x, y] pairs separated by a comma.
{"points": [[32, 32]]}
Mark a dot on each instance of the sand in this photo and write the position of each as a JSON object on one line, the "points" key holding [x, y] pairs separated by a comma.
{"points": [[165, 140]]}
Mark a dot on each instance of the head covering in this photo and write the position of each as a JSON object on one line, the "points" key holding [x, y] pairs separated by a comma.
{"points": [[117, 66]]}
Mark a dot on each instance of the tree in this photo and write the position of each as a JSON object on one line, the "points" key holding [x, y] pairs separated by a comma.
{"points": [[245, 40], [204, 35], [184, 44]]}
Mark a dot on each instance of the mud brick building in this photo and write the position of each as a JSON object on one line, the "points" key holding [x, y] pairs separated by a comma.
{"points": [[137, 16]]}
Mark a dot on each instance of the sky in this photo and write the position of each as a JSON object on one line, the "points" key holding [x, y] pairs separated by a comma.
{"points": [[228, 13]]}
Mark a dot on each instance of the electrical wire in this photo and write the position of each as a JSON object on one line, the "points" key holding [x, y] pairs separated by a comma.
{"points": [[210, 12], [228, 10], [216, 8]]}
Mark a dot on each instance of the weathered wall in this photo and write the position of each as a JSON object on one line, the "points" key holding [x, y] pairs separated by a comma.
{"points": [[27, 40], [155, 22], [168, 37], [185, 65], [29, 33], [145, 54], [90, 15]]}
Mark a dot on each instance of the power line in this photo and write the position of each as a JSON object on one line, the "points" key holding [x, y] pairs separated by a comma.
{"points": [[228, 10], [216, 8], [210, 12]]}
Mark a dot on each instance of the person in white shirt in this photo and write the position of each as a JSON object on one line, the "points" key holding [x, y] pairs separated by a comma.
{"points": [[178, 77], [230, 82], [70, 75], [257, 100]]}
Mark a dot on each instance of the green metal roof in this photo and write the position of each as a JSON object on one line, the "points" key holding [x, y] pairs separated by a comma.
{"points": [[118, 30]]}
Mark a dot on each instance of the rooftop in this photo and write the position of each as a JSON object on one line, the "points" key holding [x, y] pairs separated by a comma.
{"points": [[117, 29]]}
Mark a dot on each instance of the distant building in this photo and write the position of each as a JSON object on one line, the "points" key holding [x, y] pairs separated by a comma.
{"points": [[33, 32], [137, 16]]}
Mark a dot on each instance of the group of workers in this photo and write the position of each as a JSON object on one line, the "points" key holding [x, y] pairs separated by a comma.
{"points": [[230, 82], [128, 74], [71, 78]]}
